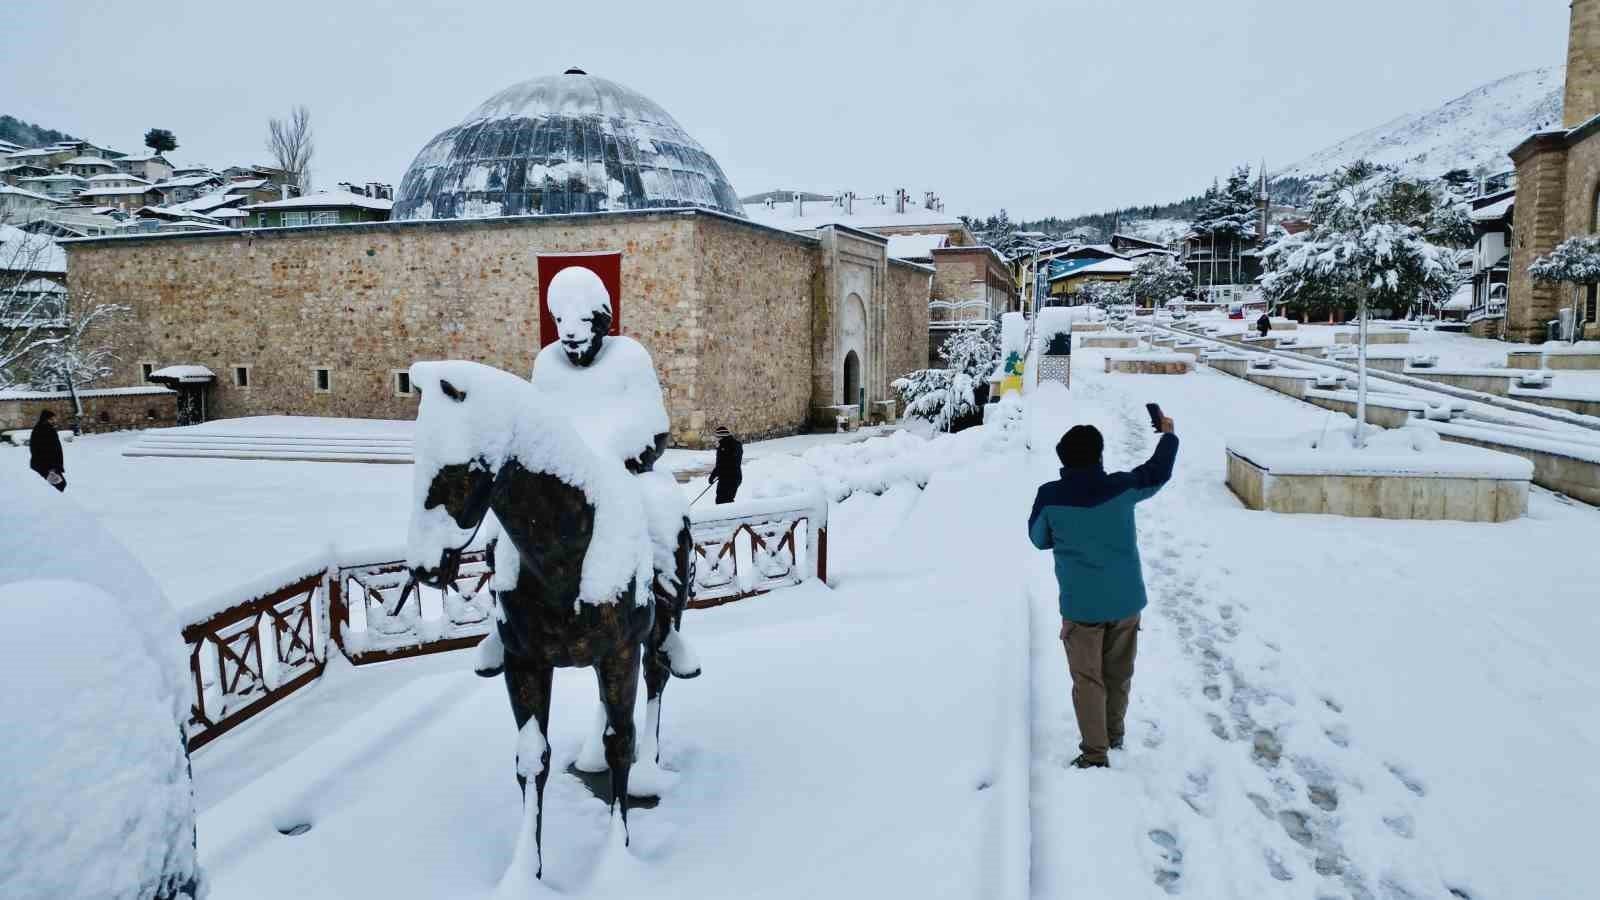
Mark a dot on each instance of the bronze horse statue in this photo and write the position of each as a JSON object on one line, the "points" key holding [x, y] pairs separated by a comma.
{"points": [[585, 590]]}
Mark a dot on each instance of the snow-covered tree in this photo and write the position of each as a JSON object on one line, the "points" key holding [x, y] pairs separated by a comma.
{"points": [[1229, 210], [1104, 294], [80, 351], [1157, 279], [1357, 253], [30, 302], [945, 396], [1574, 261]]}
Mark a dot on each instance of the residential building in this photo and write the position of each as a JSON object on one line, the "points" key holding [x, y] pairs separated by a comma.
{"points": [[18, 205], [321, 208], [11, 173], [116, 180], [183, 188], [151, 167], [122, 199], [57, 184], [88, 166], [1490, 276]]}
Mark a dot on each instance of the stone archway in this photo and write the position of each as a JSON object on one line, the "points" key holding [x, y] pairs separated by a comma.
{"points": [[852, 380], [853, 344]]}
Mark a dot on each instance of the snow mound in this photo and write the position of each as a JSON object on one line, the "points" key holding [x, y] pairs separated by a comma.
{"points": [[93, 770], [499, 418]]}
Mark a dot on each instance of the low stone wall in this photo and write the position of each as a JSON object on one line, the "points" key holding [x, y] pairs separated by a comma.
{"points": [[1083, 327], [1379, 412], [1570, 475], [1261, 343], [1236, 366], [1538, 359], [1157, 366], [114, 409], [1118, 341], [1373, 337], [1378, 496], [1282, 382], [1585, 406]]}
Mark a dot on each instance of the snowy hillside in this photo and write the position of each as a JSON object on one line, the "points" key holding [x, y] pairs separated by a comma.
{"points": [[1477, 128]]}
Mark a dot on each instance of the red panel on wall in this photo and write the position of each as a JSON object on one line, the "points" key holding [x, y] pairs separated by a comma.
{"points": [[607, 265]]}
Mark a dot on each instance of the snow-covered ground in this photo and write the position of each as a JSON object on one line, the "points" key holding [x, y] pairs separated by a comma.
{"points": [[1324, 706]]}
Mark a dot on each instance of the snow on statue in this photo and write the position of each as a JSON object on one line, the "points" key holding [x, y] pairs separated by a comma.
{"points": [[95, 797]]}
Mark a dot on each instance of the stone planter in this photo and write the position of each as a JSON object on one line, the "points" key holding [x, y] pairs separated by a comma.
{"points": [[1373, 337], [1109, 340], [1450, 481], [1149, 363]]}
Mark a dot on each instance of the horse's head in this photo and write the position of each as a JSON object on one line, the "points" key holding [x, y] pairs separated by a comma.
{"points": [[462, 427]]}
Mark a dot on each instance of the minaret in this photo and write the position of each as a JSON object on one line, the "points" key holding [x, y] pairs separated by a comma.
{"points": [[1583, 64]]}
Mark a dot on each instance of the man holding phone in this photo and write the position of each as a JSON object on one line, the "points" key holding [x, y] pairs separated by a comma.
{"points": [[1086, 519]]}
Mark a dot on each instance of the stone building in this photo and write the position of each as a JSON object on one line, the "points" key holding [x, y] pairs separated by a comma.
{"points": [[1558, 187], [757, 328]]}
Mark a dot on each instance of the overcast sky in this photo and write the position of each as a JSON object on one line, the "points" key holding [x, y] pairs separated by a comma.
{"points": [[1056, 107]]}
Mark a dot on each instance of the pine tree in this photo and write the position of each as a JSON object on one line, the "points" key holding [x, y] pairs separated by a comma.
{"points": [[1159, 278], [1228, 211], [160, 140], [945, 396]]}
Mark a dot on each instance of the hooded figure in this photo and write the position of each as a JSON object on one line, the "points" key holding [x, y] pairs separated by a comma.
{"points": [[728, 473], [1264, 324], [44, 451]]}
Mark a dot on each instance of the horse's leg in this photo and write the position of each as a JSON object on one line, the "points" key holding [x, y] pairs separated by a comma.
{"points": [[619, 687], [680, 657], [657, 671], [528, 685]]}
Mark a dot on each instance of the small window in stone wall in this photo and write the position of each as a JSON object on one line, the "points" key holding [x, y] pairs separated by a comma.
{"points": [[402, 383], [241, 376], [322, 380], [146, 370]]}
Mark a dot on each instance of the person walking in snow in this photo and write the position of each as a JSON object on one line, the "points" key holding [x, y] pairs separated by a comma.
{"points": [[1087, 519], [44, 451], [1264, 324], [728, 473]]}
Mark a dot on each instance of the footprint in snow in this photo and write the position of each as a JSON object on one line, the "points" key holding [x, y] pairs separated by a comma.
{"points": [[1169, 872], [1410, 781], [1338, 734], [1403, 826]]}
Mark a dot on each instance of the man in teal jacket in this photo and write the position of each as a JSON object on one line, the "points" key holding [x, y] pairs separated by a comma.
{"points": [[1086, 518]]}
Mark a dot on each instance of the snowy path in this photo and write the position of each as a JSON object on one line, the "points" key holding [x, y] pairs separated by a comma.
{"points": [[1312, 715]]}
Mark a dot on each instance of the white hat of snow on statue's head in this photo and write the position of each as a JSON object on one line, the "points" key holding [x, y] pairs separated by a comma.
{"points": [[575, 291]]}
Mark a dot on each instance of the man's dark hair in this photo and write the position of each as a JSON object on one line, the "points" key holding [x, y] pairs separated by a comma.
{"points": [[46, 415], [1080, 447]]}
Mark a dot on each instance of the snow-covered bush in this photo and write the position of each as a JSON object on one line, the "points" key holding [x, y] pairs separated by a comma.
{"points": [[946, 396], [1103, 294]]}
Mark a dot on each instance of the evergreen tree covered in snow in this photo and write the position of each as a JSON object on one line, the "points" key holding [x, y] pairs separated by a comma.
{"points": [[945, 396], [1104, 294], [1575, 261], [1159, 278], [1229, 210], [1374, 239]]}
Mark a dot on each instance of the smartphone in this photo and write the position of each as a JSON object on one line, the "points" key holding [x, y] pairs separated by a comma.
{"points": [[1155, 415]]}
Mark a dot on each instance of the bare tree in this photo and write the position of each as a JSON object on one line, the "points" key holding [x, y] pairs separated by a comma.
{"points": [[289, 141], [32, 305], [82, 348]]}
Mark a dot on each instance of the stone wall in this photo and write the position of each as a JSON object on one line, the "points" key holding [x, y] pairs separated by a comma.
{"points": [[1582, 100], [1541, 214], [366, 300], [103, 410], [907, 326], [752, 330]]}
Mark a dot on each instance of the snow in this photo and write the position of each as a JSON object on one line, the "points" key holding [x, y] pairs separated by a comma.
{"points": [[614, 403], [98, 799], [87, 392], [1415, 452], [915, 246], [502, 418], [184, 373], [1475, 129], [1494, 211], [325, 200], [27, 252]]}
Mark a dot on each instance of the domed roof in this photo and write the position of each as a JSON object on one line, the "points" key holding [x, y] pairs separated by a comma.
{"points": [[562, 144]]}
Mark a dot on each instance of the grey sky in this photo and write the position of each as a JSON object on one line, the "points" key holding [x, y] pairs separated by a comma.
{"points": [[1042, 108]]}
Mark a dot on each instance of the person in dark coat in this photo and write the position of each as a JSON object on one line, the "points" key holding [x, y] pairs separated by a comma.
{"points": [[44, 451], [1263, 324], [729, 470]]}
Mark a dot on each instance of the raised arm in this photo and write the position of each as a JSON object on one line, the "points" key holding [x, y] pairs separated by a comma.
{"points": [[1157, 470]]}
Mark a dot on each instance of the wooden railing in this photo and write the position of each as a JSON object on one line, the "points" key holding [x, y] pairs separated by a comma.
{"points": [[253, 654]]}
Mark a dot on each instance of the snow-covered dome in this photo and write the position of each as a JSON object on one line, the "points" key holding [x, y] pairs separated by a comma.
{"points": [[562, 144]]}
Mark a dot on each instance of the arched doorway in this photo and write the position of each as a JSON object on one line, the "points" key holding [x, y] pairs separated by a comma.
{"points": [[852, 379]]}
